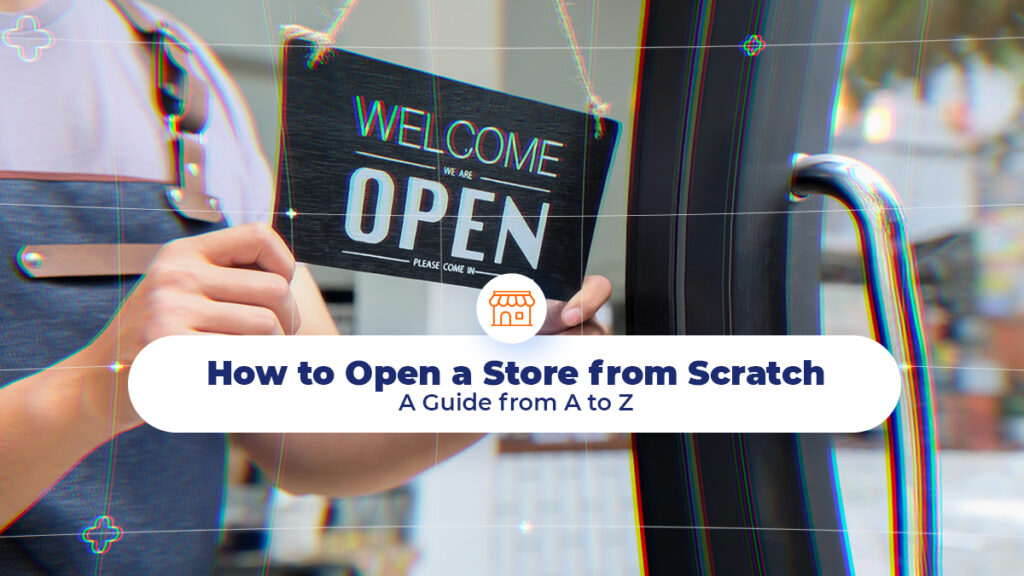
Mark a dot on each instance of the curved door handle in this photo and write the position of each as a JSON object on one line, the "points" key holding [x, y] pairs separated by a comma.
{"points": [[894, 307]]}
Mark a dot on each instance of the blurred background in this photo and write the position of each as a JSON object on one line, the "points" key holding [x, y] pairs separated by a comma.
{"points": [[930, 96]]}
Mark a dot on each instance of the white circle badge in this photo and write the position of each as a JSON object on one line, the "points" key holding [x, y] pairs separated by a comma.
{"points": [[511, 308]]}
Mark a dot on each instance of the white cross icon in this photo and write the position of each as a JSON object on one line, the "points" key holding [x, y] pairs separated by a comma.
{"points": [[27, 38]]}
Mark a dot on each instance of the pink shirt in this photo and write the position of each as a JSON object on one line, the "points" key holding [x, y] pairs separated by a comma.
{"points": [[86, 105]]}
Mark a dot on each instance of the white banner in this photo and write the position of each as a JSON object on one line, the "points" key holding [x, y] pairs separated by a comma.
{"points": [[547, 384]]}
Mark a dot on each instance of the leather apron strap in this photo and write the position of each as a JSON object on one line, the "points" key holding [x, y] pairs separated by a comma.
{"points": [[182, 98], [71, 260]]}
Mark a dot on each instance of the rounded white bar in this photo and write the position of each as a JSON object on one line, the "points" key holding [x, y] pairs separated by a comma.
{"points": [[835, 384]]}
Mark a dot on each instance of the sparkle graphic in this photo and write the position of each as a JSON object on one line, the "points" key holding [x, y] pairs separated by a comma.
{"points": [[291, 213], [525, 527], [116, 367], [753, 45], [101, 534], [27, 38]]}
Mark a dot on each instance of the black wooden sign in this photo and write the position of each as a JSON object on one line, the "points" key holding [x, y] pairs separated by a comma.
{"points": [[391, 170]]}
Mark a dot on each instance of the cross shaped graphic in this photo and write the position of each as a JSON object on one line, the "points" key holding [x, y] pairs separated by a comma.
{"points": [[27, 38], [753, 45], [102, 534]]}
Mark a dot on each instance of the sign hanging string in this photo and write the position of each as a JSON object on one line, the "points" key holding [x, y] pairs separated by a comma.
{"points": [[323, 41], [595, 105]]}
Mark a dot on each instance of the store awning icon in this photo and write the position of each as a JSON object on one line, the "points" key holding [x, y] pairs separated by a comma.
{"points": [[512, 308]]}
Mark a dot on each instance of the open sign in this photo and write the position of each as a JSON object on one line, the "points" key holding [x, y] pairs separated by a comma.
{"points": [[391, 170]]}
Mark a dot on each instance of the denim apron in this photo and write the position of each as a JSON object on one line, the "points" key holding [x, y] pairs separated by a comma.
{"points": [[163, 490], [147, 502]]}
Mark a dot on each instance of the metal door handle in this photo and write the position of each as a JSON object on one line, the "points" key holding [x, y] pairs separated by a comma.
{"points": [[894, 309]]}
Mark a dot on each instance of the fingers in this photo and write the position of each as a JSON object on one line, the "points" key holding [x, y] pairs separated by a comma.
{"points": [[233, 281], [240, 319], [596, 290], [172, 313], [247, 246], [588, 328], [254, 288]]}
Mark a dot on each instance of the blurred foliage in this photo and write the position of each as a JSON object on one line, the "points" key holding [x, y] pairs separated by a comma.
{"points": [[956, 30]]}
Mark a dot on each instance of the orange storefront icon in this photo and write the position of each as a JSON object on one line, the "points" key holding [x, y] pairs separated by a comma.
{"points": [[512, 308]]}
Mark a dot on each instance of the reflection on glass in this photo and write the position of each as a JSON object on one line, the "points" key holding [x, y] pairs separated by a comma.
{"points": [[931, 97]]}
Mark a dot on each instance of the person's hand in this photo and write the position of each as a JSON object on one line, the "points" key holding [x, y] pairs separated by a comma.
{"points": [[232, 281], [577, 315]]}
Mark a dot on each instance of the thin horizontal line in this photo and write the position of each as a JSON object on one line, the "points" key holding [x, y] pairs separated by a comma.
{"points": [[74, 177], [379, 157], [374, 256], [653, 215], [959, 39], [535, 527], [514, 184], [942, 366], [124, 208], [486, 273], [965, 367], [48, 368]]}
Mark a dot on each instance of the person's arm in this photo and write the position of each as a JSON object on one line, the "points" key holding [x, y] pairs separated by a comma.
{"points": [[48, 423], [233, 281], [344, 465]]}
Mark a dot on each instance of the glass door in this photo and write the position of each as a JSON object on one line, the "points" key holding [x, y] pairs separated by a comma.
{"points": [[931, 97]]}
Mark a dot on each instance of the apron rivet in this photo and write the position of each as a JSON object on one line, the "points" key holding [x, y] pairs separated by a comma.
{"points": [[193, 168], [32, 259], [175, 195]]}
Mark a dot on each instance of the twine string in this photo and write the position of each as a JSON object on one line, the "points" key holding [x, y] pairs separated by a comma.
{"points": [[595, 105], [322, 41]]}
